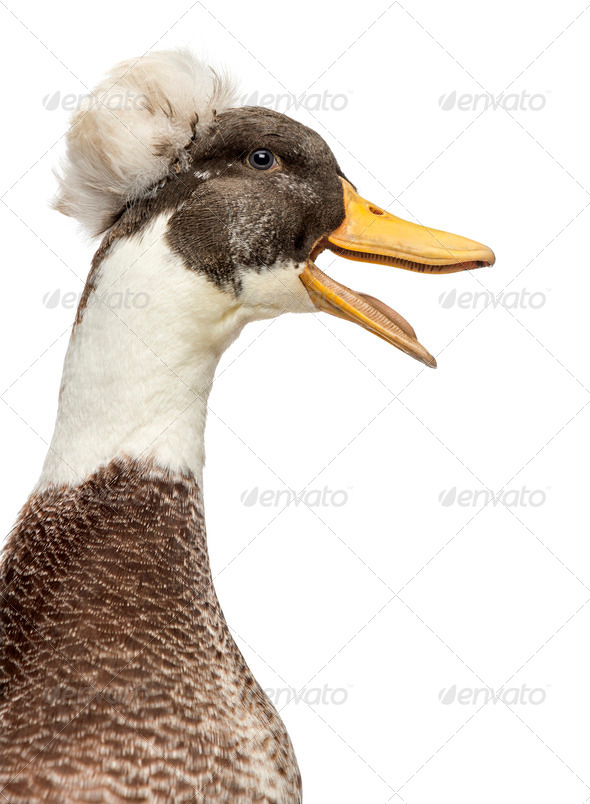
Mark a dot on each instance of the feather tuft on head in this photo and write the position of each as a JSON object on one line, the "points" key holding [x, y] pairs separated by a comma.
{"points": [[133, 130]]}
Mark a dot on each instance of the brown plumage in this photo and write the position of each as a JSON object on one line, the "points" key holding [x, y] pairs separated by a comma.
{"points": [[119, 677]]}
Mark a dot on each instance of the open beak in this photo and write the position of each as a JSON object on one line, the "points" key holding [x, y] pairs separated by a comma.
{"points": [[370, 234]]}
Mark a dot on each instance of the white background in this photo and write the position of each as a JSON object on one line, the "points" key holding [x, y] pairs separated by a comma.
{"points": [[394, 596]]}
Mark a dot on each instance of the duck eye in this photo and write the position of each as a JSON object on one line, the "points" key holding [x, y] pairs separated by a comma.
{"points": [[262, 159]]}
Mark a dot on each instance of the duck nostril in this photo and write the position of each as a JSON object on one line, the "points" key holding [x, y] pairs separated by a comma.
{"points": [[376, 210]]}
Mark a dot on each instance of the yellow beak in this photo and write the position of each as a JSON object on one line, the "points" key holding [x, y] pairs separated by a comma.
{"points": [[370, 234]]}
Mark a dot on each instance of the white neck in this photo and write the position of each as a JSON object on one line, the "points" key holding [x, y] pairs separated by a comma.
{"points": [[141, 362]]}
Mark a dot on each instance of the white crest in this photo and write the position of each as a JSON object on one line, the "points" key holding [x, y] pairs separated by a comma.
{"points": [[131, 130]]}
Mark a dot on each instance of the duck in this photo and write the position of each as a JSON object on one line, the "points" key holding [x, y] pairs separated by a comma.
{"points": [[119, 677]]}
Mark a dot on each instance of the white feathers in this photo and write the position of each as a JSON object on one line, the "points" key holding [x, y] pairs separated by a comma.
{"points": [[136, 378], [137, 375], [136, 124]]}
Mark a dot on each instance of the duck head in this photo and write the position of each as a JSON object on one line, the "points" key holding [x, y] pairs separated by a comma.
{"points": [[253, 197], [266, 192]]}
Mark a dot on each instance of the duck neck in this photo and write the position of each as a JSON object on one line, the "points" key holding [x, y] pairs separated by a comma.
{"points": [[140, 363]]}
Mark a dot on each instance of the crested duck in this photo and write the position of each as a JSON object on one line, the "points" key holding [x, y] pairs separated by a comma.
{"points": [[119, 678]]}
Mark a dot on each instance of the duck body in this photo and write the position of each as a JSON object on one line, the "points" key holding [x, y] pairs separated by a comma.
{"points": [[120, 679]]}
